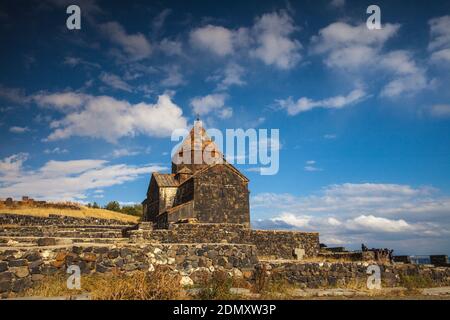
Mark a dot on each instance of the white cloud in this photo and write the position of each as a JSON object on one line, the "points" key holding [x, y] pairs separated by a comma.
{"points": [[225, 113], [11, 166], [61, 101], [160, 19], [126, 152], [392, 215], [64, 180], [56, 150], [106, 118], [337, 3], [173, 77], [115, 82], [274, 43], [405, 85], [14, 95], [351, 47], [361, 51], [440, 111], [440, 33], [231, 75], [408, 77], [218, 40], [19, 130], [171, 47], [441, 56], [330, 136], [439, 44], [269, 40], [294, 220], [305, 104], [74, 61], [136, 46], [311, 166], [377, 224], [209, 103]]}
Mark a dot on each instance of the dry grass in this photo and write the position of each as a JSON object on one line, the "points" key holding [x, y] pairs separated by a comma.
{"points": [[157, 285], [82, 212]]}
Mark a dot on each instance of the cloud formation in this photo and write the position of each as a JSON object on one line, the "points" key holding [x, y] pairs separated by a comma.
{"points": [[64, 180], [305, 104], [211, 103], [135, 46], [388, 214], [110, 119], [439, 45]]}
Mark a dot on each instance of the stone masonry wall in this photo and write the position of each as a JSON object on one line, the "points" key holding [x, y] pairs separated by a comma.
{"points": [[279, 244], [324, 274], [21, 267], [221, 196], [53, 220]]}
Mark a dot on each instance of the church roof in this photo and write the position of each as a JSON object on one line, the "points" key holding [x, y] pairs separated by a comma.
{"points": [[165, 179], [197, 140]]}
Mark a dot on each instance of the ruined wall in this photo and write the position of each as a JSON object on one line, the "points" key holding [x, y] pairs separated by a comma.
{"points": [[21, 268], [280, 244], [53, 219], [325, 274], [221, 196]]}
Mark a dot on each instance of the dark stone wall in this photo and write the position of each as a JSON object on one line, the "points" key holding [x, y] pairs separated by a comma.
{"points": [[185, 192], [221, 196], [21, 268], [151, 203], [279, 244], [326, 274], [283, 243], [52, 220]]}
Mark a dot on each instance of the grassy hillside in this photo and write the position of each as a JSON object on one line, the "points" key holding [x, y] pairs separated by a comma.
{"points": [[82, 212]]}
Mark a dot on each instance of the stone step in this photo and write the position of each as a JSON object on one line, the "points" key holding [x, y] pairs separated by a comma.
{"points": [[33, 241]]}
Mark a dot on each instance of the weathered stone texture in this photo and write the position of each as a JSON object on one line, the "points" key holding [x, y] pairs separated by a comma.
{"points": [[18, 274], [324, 274], [52, 220], [277, 244]]}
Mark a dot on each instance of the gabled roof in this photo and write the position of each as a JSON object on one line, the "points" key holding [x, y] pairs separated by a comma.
{"points": [[165, 179], [196, 141]]}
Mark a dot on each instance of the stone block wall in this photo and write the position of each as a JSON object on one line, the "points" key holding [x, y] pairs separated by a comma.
{"points": [[324, 274], [221, 196], [20, 268], [54, 220], [277, 244], [281, 244]]}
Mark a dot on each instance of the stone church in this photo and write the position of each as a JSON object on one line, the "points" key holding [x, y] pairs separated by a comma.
{"points": [[203, 187]]}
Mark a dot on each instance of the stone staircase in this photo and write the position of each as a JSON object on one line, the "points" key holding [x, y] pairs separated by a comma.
{"points": [[25, 231]]}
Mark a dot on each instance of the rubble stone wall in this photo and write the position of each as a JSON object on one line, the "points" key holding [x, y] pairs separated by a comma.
{"points": [[21, 267], [279, 244], [327, 274], [54, 220]]}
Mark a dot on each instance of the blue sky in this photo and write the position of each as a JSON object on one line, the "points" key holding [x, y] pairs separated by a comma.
{"points": [[364, 115]]}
